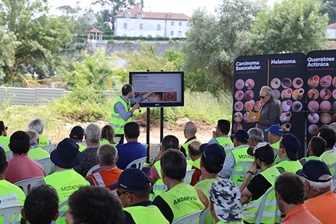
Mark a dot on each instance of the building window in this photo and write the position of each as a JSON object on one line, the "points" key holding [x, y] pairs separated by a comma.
{"points": [[172, 33], [128, 14], [180, 33], [180, 23], [158, 27], [125, 25], [139, 15], [172, 23], [141, 26]]}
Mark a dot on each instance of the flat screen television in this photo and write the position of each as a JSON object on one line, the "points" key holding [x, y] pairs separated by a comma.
{"points": [[168, 88]]}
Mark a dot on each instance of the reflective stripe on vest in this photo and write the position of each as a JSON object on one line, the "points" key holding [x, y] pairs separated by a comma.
{"points": [[270, 214], [98, 179], [146, 214], [116, 120], [159, 187], [240, 155]]}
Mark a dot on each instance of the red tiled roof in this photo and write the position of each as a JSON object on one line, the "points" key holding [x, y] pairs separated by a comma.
{"points": [[331, 26], [153, 15], [94, 30]]}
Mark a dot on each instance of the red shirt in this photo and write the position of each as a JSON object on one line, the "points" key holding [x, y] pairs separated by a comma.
{"points": [[300, 214]]}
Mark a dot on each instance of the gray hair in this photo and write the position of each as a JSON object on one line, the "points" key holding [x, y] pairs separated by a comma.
{"points": [[269, 90], [107, 154], [92, 133], [332, 126], [37, 125], [256, 134], [320, 186], [33, 137], [190, 128]]}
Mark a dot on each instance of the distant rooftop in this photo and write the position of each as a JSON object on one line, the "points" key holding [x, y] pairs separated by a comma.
{"points": [[94, 30], [331, 26], [152, 15]]}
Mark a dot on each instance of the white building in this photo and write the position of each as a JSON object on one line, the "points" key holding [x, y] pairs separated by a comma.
{"points": [[331, 31], [137, 23]]}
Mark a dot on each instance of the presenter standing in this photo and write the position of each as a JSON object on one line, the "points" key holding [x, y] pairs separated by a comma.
{"points": [[269, 112], [122, 111]]}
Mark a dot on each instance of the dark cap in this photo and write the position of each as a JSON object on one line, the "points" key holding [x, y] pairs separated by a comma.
{"points": [[275, 130], [203, 146], [77, 133], [133, 180], [292, 145], [316, 171], [241, 135], [264, 152], [213, 155], [66, 154]]}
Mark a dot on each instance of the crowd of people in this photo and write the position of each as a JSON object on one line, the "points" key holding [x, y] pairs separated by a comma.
{"points": [[245, 177]]}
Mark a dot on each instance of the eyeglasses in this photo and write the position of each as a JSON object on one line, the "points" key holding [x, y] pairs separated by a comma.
{"points": [[262, 97]]}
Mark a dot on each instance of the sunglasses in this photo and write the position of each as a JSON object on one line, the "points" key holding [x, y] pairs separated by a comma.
{"points": [[263, 97]]}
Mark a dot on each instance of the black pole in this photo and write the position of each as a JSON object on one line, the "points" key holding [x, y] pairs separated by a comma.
{"points": [[148, 135], [161, 124]]}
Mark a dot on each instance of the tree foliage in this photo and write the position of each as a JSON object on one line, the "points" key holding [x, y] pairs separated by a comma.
{"points": [[329, 7], [213, 43], [291, 26]]}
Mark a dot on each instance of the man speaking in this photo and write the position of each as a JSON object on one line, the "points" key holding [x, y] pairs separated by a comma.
{"points": [[122, 110]]}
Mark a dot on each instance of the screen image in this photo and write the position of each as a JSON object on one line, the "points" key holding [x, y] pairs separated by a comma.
{"points": [[168, 88]]}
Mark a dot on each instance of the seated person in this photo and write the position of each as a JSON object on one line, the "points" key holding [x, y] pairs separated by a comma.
{"points": [[107, 135], [189, 132], [35, 151], [77, 134], [220, 136], [4, 139], [38, 125]]}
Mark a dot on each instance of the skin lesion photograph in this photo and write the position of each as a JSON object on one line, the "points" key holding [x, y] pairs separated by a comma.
{"points": [[155, 97], [170, 96]]}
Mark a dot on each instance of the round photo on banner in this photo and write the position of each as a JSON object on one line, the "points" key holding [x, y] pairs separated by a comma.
{"points": [[275, 83], [313, 106], [297, 82], [239, 84], [334, 81], [334, 94], [249, 95], [313, 81], [297, 106], [248, 105], [325, 94], [236, 127], [286, 127], [249, 84], [313, 129], [286, 83], [325, 106], [239, 95], [238, 106], [313, 94], [286, 94], [286, 105], [285, 117], [313, 118], [257, 106], [334, 117], [334, 106], [238, 117], [276, 94], [298, 94], [325, 118], [325, 81]]}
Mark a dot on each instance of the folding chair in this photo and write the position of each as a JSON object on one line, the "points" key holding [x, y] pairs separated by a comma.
{"points": [[188, 176], [188, 218], [9, 155], [138, 163], [203, 215], [49, 148], [239, 172], [10, 214], [92, 169], [27, 184], [46, 164]]}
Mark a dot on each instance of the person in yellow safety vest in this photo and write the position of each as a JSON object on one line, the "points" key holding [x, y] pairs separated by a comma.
{"points": [[65, 180], [133, 189], [225, 206], [212, 161], [77, 134], [220, 135], [329, 155], [41, 205], [237, 155], [274, 135], [107, 135], [96, 205], [108, 172], [315, 149], [288, 154], [256, 135], [194, 162], [4, 139], [10, 194], [189, 131], [38, 125], [122, 110], [289, 191], [154, 174], [35, 152], [181, 199], [252, 190]]}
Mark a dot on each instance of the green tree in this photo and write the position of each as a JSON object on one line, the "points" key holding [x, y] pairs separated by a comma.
{"points": [[329, 7], [214, 42], [290, 26]]}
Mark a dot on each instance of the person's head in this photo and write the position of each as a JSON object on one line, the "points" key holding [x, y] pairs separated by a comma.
{"points": [[66, 154], [223, 127], [94, 205], [77, 133], [37, 125], [263, 154], [289, 190], [3, 129], [170, 142], [316, 146], [92, 134], [173, 165], [107, 133], [331, 126], [41, 205], [132, 130], [212, 159], [256, 135], [33, 136], [241, 137], [194, 150], [289, 147], [274, 133], [107, 155], [266, 93], [133, 187], [189, 129], [3, 162], [127, 91], [19, 142], [328, 135], [225, 202], [317, 177]]}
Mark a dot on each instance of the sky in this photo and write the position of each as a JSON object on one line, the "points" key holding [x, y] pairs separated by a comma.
{"points": [[177, 6]]}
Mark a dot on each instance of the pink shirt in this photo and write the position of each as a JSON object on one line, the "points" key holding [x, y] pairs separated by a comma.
{"points": [[22, 167]]}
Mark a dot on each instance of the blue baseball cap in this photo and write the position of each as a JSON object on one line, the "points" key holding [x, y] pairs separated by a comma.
{"points": [[133, 180], [275, 129], [316, 171]]}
